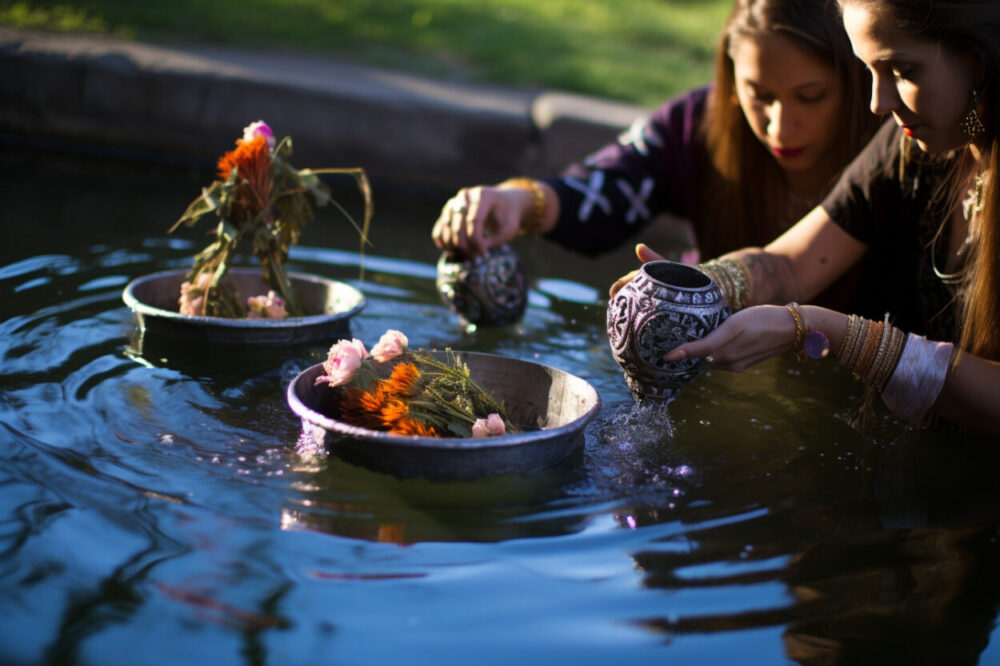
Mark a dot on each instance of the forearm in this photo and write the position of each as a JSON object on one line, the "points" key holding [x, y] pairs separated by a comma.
{"points": [[915, 376], [752, 276], [770, 276]]}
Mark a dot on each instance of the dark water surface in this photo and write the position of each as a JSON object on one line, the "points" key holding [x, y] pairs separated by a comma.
{"points": [[155, 511]]}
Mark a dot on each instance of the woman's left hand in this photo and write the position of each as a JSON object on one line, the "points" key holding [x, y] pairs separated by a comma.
{"points": [[744, 339]]}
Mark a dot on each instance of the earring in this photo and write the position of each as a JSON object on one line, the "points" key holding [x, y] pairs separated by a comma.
{"points": [[971, 124]]}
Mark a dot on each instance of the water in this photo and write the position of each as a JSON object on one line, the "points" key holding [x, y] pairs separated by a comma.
{"points": [[156, 511]]}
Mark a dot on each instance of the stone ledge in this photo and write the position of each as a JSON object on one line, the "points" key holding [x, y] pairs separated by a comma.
{"points": [[192, 101]]}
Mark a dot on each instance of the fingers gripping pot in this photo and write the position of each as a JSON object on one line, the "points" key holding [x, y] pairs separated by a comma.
{"points": [[665, 305], [486, 291]]}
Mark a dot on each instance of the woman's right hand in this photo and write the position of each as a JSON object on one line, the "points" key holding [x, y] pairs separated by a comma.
{"points": [[479, 218]]}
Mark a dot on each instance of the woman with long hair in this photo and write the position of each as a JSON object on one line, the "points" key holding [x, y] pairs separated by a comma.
{"points": [[922, 202], [741, 159]]}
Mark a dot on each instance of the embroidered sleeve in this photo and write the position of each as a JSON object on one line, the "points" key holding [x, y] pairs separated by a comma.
{"points": [[615, 192]]}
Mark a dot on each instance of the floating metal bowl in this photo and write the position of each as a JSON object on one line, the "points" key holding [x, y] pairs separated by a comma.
{"points": [[153, 299], [551, 405]]}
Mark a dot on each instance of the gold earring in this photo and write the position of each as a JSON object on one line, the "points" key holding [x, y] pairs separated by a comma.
{"points": [[971, 124]]}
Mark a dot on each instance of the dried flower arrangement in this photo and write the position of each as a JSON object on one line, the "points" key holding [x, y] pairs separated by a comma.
{"points": [[258, 196], [396, 389]]}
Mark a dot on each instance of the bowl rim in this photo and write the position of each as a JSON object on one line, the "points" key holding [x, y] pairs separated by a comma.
{"points": [[451, 443], [141, 307]]}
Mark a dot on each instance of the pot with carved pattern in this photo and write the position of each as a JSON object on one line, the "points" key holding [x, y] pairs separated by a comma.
{"points": [[486, 291], [665, 305]]}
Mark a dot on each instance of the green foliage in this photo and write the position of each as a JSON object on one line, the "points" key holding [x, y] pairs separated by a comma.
{"points": [[640, 51]]}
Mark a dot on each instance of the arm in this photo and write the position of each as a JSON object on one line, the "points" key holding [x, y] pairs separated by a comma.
{"points": [[800, 263], [967, 394], [971, 395], [597, 203]]}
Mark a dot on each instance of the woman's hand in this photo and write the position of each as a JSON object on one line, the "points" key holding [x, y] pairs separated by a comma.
{"points": [[744, 339], [479, 218], [645, 255]]}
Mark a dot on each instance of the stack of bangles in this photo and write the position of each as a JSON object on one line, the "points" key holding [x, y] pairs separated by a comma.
{"points": [[908, 370], [733, 279]]}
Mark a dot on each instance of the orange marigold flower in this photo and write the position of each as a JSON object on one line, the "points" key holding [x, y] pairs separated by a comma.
{"points": [[402, 380], [414, 427], [361, 408], [394, 410], [252, 159]]}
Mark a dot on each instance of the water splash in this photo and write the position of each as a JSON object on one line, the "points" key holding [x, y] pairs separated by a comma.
{"points": [[644, 422], [635, 451]]}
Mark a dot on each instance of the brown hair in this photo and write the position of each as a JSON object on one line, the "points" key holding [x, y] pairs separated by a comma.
{"points": [[745, 198], [961, 26]]}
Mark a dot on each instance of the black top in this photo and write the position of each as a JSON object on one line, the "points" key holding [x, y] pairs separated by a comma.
{"points": [[889, 204]]}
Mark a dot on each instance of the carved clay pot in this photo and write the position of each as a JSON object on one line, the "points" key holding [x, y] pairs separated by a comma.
{"points": [[667, 304], [486, 291]]}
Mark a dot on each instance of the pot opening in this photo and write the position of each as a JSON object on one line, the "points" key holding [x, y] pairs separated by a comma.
{"points": [[676, 274]]}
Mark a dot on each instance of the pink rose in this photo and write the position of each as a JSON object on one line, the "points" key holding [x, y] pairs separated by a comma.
{"points": [[342, 362], [491, 426], [259, 128], [271, 306], [390, 345], [192, 300]]}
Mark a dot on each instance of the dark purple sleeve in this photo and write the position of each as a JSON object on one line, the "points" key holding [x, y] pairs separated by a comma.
{"points": [[618, 190]]}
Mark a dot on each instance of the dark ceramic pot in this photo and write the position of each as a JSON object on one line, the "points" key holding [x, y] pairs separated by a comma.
{"points": [[667, 304], [486, 291]]}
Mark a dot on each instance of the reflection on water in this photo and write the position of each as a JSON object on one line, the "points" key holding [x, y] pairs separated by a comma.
{"points": [[156, 505]]}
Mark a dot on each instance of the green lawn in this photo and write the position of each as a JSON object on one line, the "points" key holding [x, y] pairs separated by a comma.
{"points": [[639, 51]]}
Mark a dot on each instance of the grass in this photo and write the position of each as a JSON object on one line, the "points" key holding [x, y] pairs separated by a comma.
{"points": [[639, 51]]}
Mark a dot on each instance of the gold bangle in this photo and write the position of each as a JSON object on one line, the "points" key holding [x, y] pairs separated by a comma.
{"points": [[741, 277], [533, 223], [800, 330], [856, 346], [868, 351], [892, 358], [846, 342], [733, 279], [880, 351]]}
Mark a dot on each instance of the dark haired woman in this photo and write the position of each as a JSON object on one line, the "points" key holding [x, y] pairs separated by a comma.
{"points": [[741, 159], [922, 201]]}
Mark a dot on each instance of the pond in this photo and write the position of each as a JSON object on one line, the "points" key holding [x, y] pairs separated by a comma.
{"points": [[156, 511]]}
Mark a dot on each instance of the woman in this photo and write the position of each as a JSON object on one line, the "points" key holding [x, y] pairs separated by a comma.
{"points": [[923, 199], [741, 160]]}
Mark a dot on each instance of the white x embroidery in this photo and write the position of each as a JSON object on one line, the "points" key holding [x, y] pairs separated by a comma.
{"points": [[637, 136], [637, 202], [592, 194]]}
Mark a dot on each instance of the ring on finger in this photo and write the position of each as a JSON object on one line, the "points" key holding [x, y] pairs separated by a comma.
{"points": [[459, 206]]}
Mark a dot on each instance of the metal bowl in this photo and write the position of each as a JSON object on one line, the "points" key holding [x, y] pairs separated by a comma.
{"points": [[550, 405], [153, 299]]}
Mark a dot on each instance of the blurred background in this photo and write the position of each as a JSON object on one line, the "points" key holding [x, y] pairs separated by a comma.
{"points": [[637, 51]]}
